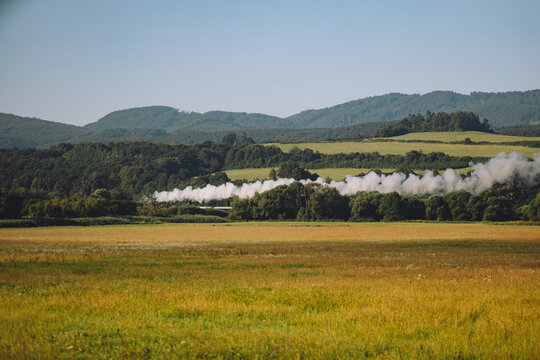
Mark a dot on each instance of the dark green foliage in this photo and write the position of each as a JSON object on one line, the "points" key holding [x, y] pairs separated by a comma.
{"points": [[498, 205], [502, 109], [24, 132], [279, 203], [109, 220], [476, 207], [97, 204], [391, 207], [365, 206], [531, 211], [413, 208], [327, 203], [11, 204], [130, 168], [164, 117], [457, 121], [520, 130], [437, 208], [457, 203], [291, 170], [229, 138], [257, 156], [241, 209]]}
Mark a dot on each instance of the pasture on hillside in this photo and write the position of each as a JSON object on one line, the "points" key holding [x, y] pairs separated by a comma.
{"points": [[336, 174], [401, 148], [271, 290], [452, 136]]}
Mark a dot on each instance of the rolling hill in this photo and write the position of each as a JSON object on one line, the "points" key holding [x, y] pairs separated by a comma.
{"points": [[502, 109], [25, 132], [170, 119], [351, 120]]}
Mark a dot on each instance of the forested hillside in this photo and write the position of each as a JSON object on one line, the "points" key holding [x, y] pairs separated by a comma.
{"points": [[502, 109], [351, 120], [141, 168], [164, 117], [24, 132], [457, 121]]}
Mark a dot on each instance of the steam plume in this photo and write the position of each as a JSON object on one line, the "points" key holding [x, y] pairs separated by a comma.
{"points": [[499, 169]]}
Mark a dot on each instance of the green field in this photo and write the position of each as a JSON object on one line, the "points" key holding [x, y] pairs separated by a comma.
{"points": [[475, 136], [400, 148], [262, 173], [336, 174], [271, 290]]}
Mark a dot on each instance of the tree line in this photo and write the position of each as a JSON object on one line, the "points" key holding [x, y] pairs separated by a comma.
{"points": [[441, 121], [315, 202], [134, 169]]}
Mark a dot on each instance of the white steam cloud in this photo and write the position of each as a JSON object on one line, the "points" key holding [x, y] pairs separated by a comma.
{"points": [[497, 170]]}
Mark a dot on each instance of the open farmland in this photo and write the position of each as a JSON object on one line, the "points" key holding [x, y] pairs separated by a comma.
{"points": [[262, 173], [401, 148], [452, 136], [271, 290], [336, 174]]}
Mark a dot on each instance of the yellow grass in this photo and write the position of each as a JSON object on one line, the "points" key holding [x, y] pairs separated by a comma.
{"points": [[271, 290], [475, 136], [249, 174], [333, 173], [336, 174], [400, 148]]}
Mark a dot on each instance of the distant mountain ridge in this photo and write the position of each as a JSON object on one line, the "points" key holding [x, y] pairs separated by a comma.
{"points": [[165, 117], [167, 124]]}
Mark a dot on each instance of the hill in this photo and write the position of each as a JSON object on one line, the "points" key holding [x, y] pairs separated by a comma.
{"points": [[456, 121], [352, 120], [170, 119], [24, 132], [502, 109]]}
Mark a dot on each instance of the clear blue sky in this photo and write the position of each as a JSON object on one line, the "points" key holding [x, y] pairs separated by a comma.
{"points": [[75, 61]]}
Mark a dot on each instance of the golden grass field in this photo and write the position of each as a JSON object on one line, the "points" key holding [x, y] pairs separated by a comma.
{"points": [[262, 173], [336, 174], [400, 148], [475, 136], [271, 290]]}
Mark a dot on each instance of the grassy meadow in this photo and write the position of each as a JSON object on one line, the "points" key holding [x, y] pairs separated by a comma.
{"points": [[475, 136], [401, 148], [271, 290], [262, 173], [337, 174]]}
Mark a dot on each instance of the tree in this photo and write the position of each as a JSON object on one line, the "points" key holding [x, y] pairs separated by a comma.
{"points": [[391, 207], [457, 203], [11, 204], [437, 208], [532, 210], [290, 169], [240, 209], [229, 139], [364, 206], [327, 203]]}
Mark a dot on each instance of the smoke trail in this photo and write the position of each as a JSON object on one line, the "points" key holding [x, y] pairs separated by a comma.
{"points": [[497, 170]]}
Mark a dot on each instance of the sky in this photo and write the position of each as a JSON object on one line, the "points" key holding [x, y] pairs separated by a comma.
{"points": [[75, 61]]}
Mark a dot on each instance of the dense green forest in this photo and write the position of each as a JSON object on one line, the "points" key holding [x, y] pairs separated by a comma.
{"points": [[352, 120], [456, 121], [96, 180], [521, 130], [502, 109], [164, 117], [28, 132], [140, 168], [314, 202]]}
